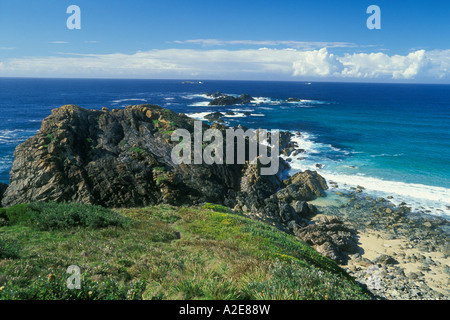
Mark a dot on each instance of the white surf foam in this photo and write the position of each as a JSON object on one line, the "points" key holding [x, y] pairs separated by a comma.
{"points": [[420, 197], [200, 104], [198, 115], [15, 136], [131, 99]]}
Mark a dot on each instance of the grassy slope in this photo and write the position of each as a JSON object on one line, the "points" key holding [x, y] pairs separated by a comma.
{"points": [[168, 253]]}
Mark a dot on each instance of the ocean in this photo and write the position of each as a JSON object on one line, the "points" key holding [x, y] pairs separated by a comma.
{"points": [[392, 139]]}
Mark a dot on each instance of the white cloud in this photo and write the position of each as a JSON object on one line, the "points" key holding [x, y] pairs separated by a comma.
{"points": [[376, 65], [261, 63], [316, 63]]}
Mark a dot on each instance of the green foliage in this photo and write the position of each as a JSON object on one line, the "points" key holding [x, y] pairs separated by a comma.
{"points": [[57, 216], [292, 281], [160, 179], [54, 287], [168, 132], [167, 252], [88, 140], [136, 150], [217, 207], [9, 249], [19, 214]]}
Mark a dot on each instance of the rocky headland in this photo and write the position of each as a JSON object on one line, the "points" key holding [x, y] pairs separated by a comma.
{"points": [[122, 158]]}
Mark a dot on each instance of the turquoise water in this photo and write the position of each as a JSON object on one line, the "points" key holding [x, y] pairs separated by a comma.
{"points": [[393, 139]]}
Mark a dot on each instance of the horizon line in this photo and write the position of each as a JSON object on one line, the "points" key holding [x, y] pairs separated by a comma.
{"points": [[243, 80]]}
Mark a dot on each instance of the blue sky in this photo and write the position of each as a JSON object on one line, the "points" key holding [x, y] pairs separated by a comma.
{"points": [[246, 39]]}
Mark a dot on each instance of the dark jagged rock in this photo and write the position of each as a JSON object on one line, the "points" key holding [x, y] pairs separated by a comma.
{"points": [[3, 188], [227, 100], [215, 116], [113, 158], [330, 237], [293, 100], [122, 158]]}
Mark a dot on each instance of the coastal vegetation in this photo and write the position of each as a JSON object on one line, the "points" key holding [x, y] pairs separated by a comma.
{"points": [[159, 252]]}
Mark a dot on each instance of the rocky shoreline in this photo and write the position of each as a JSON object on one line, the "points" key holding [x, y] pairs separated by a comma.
{"points": [[402, 255], [121, 158]]}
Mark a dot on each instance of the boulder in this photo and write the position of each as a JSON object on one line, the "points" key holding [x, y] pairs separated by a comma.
{"points": [[214, 116], [385, 259], [329, 236]]}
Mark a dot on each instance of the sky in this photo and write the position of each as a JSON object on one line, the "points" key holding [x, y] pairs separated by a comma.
{"points": [[289, 40]]}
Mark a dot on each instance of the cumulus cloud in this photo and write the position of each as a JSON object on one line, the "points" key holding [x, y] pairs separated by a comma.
{"points": [[376, 65], [316, 63], [261, 63]]}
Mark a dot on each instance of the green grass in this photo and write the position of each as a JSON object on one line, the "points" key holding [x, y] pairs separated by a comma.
{"points": [[136, 150], [165, 252]]}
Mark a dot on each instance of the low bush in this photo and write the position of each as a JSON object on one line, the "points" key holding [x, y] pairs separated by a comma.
{"points": [[8, 249], [47, 216], [54, 287]]}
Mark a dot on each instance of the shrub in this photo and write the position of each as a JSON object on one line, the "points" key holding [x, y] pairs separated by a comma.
{"points": [[217, 208], [19, 214], [58, 216], [54, 287], [8, 249]]}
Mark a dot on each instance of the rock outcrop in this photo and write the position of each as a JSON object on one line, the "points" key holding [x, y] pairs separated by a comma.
{"points": [[227, 100], [122, 158], [330, 237]]}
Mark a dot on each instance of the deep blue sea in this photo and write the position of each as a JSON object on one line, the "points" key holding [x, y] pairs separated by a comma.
{"points": [[392, 139]]}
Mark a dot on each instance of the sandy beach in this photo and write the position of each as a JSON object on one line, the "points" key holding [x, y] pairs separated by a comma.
{"points": [[402, 255], [420, 268]]}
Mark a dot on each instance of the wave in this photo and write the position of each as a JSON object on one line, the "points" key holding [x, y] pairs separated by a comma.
{"points": [[422, 198], [235, 115], [261, 100], [387, 155], [199, 104], [196, 96], [198, 115], [131, 99], [15, 136], [419, 196], [243, 109]]}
